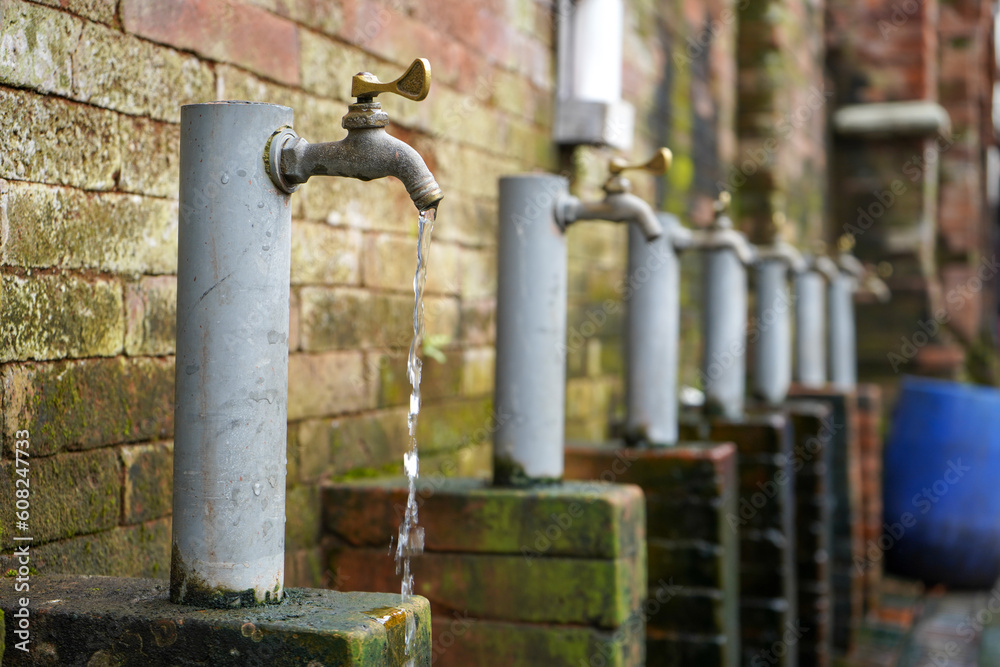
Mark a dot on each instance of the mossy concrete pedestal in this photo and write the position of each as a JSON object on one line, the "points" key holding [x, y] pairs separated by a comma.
{"points": [[691, 490], [765, 520], [550, 575], [88, 621]]}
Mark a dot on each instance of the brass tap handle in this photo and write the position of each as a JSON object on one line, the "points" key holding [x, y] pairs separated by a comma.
{"points": [[722, 203], [658, 164], [413, 85]]}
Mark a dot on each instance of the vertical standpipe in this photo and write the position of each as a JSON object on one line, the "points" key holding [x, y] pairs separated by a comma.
{"points": [[773, 352], [810, 329], [531, 331], [653, 331], [232, 360], [724, 332], [843, 344]]}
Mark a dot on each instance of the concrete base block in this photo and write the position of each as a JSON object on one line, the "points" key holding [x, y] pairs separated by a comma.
{"points": [[813, 429], [86, 621], [847, 551], [765, 521], [693, 550], [549, 575]]}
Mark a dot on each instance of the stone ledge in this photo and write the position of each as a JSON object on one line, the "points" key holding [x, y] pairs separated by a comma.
{"points": [[84, 620], [577, 519]]}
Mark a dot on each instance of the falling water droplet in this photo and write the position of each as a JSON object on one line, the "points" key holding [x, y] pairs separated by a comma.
{"points": [[225, 178], [256, 488]]}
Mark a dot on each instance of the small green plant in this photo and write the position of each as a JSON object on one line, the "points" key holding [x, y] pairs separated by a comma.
{"points": [[432, 347]]}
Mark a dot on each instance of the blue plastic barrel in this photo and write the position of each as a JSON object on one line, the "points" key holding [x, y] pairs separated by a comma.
{"points": [[942, 485]]}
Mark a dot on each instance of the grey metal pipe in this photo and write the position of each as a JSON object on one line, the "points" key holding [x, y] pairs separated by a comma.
{"points": [[652, 334], [232, 360], [530, 380], [773, 351], [810, 329], [843, 343], [724, 304]]}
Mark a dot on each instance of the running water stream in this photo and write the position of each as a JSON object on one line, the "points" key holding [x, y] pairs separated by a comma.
{"points": [[411, 535]]}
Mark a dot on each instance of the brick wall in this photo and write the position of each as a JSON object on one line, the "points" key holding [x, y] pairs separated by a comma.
{"points": [[936, 230], [780, 167], [90, 95]]}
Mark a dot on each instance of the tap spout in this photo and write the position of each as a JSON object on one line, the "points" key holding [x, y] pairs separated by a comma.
{"points": [[615, 207], [366, 154]]}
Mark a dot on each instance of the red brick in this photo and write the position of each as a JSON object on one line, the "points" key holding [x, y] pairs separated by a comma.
{"points": [[225, 31]]}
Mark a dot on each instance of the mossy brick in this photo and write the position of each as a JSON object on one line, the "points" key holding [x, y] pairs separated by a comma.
{"points": [[142, 550], [70, 493], [216, 32], [89, 403], [469, 460], [573, 591], [337, 318], [324, 62], [478, 273], [54, 226], [441, 317], [115, 70], [327, 384], [379, 205], [438, 379], [685, 473], [478, 322], [454, 423], [470, 221], [478, 368], [151, 316], [460, 640], [340, 446], [304, 568], [465, 515], [51, 140], [325, 255], [446, 272], [149, 474], [689, 562], [40, 317], [36, 50], [302, 516], [321, 15], [150, 156], [102, 11], [131, 622]]}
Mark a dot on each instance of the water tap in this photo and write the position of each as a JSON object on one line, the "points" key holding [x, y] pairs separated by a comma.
{"points": [[619, 204], [779, 249], [721, 235], [867, 277], [368, 151]]}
